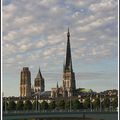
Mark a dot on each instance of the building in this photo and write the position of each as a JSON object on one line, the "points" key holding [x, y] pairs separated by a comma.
{"points": [[57, 92], [68, 89], [25, 83], [39, 85], [69, 85]]}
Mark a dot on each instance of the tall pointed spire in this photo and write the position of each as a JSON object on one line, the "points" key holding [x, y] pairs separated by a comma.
{"points": [[39, 75], [39, 82], [68, 34], [68, 64]]}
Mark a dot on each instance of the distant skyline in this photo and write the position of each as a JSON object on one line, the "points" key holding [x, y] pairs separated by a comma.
{"points": [[35, 35]]}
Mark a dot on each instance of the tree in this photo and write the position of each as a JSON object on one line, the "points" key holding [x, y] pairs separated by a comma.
{"points": [[76, 104], [44, 105], [106, 103], [28, 105], [96, 103], [11, 105], [67, 105], [36, 105], [20, 105], [61, 104], [52, 105], [115, 103], [5, 105], [86, 103]]}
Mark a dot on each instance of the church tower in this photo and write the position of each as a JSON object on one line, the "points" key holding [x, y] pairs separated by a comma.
{"points": [[39, 83], [25, 83], [69, 85]]}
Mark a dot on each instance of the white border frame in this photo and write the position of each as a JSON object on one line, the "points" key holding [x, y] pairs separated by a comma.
{"points": [[1, 61]]}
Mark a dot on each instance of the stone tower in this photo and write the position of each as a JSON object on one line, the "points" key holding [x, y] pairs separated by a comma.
{"points": [[25, 83], [39, 83], [69, 85]]}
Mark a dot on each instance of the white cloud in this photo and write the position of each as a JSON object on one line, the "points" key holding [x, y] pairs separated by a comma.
{"points": [[23, 20], [10, 36], [104, 5], [95, 24], [9, 10], [41, 43]]}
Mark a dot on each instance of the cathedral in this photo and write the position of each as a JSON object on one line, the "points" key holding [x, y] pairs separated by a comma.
{"points": [[25, 83], [66, 90], [69, 86]]}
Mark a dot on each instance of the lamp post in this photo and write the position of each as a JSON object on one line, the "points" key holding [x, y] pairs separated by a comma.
{"points": [[110, 102], [70, 103], [5, 105], [90, 101], [39, 103], [100, 103], [36, 97], [36, 103]]}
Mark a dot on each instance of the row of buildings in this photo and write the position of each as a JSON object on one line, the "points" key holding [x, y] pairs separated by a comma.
{"points": [[69, 85]]}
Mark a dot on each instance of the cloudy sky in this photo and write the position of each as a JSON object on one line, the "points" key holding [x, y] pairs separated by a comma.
{"points": [[34, 35]]}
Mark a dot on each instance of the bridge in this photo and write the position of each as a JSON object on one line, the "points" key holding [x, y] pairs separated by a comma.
{"points": [[60, 115]]}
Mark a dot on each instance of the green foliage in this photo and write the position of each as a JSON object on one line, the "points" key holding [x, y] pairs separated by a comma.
{"points": [[61, 104], [20, 105], [11, 105], [115, 103], [106, 102], [28, 105], [36, 105], [44, 105], [67, 104], [52, 105], [96, 103], [76, 104], [5, 105], [86, 103]]}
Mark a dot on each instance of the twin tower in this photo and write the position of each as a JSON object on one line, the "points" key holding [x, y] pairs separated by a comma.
{"points": [[68, 88]]}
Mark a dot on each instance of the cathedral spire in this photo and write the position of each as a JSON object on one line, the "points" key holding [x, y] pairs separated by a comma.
{"points": [[39, 75], [68, 64], [68, 34], [39, 82]]}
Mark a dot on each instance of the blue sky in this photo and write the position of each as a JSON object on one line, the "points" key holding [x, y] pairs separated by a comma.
{"points": [[34, 35]]}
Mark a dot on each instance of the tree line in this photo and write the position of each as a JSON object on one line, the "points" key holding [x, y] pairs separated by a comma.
{"points": [[60, 105]]}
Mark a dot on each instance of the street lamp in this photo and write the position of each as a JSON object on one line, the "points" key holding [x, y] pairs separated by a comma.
{"points": [[90, 101], [36, 94], [110, 101], [70, 103], [5, 105], [36, 104], [100, 103]]}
